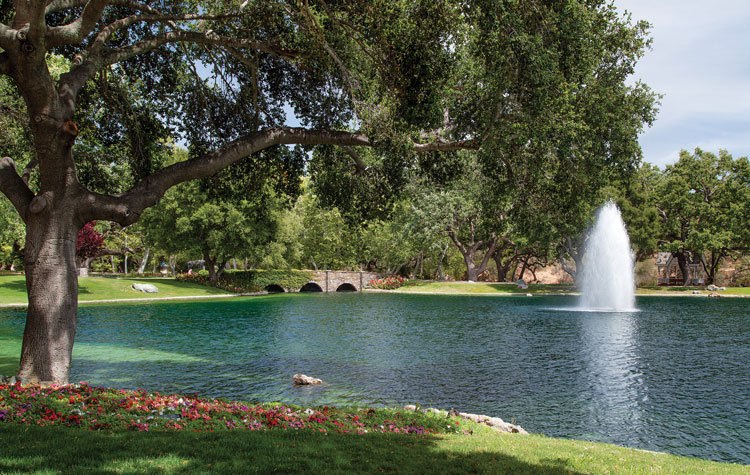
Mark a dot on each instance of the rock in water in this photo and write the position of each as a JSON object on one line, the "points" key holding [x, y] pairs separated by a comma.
{"points": [[148, 288], [301, 380]]}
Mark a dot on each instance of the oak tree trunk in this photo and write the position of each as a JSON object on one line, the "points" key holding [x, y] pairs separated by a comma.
{"points": [[52, 286]]}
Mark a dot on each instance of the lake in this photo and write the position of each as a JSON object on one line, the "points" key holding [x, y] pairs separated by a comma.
{"points": [[672, 377]]}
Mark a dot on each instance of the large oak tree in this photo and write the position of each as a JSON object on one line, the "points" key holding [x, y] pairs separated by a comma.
{"points": [[536, 85]]}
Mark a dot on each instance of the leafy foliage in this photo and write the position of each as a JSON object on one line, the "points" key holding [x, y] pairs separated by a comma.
{"points": [[254, 280], [90, 241]]}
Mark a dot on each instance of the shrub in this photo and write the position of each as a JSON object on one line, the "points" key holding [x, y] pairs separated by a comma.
{"points": [[387, 283], [250, 280]]}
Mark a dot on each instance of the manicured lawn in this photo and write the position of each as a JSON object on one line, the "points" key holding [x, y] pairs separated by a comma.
{"points": [[689, 290], [68, 430], [480, 288], [13, 289], [494, 288]]}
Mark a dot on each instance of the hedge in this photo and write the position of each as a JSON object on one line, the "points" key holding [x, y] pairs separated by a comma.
{"points": [[255, 280]]}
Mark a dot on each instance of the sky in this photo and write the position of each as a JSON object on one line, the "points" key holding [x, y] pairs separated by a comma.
{"points": [[700, 62]]}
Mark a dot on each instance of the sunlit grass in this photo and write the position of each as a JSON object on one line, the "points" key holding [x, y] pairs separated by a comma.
{"points": [[13, 289], [481, 288], [425, 286]]}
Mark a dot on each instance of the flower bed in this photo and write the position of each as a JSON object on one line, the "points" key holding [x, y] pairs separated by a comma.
{"points": [[387, 283], [95, 408]]}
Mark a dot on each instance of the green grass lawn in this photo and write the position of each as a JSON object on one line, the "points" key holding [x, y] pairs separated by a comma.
{"points": [[13, 289], [494, 288], [480, 288], [39, 450]]}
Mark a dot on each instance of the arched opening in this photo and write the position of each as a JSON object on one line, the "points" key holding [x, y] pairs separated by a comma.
{"points": [[274, 289], [346, 287], [311, 287]]}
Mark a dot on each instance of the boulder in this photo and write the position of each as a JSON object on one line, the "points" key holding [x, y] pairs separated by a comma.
{"points": [[714, 294], [521, 284], [303, 380], [148, 288], [712, 288]]}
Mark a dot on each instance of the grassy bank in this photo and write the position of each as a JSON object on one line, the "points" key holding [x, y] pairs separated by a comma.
{"points": [[13, 289], [217, 436], [417, 286]]}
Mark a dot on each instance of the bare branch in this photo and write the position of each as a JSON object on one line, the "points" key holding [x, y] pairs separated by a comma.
{"points": [[14, 188]]}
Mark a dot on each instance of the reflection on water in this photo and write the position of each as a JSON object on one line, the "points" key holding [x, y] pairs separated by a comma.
{"points": [[671, 377]]}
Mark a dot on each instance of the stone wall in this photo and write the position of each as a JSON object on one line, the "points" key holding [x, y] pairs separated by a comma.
{"points": [[330, 281]]}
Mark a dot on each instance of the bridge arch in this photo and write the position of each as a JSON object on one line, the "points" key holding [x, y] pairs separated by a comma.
{"points": [[346, 287], [274, 289], [311, 287]]}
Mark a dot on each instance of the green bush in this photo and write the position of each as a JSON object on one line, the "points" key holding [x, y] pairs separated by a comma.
{"points": [[255, 280]]}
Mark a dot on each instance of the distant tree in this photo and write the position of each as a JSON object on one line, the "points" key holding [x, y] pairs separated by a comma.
{"points": [[703, 203], [89, 244]]}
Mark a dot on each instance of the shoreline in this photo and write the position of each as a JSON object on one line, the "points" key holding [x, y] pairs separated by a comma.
{"points": [[402, 292]]}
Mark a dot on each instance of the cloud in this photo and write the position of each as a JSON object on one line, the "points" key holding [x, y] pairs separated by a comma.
{"points": [[701, 63]]}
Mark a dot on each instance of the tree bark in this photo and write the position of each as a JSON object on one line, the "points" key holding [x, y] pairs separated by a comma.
{"points": [[52, 286], [144, 261], [682, 262]]}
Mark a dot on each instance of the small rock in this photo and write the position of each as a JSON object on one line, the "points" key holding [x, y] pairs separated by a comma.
{"points": [[696, 292], [410, 407], [148, 288], [529, 295], [712, 288], [714, 294], [722, 288], [452, 413], [12, 381], [302, 380]]}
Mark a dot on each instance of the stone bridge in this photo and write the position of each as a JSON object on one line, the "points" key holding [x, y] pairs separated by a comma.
{"points": [[333, 281]]}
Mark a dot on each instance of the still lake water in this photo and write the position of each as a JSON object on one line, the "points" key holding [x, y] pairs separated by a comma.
{"points": [[673, 377]]}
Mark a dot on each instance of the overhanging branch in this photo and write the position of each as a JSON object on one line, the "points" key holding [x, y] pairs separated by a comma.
{"points": [[76, 31], [126, 208]]}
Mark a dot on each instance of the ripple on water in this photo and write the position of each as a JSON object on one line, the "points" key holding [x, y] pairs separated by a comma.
{"points": [[671, 377]]}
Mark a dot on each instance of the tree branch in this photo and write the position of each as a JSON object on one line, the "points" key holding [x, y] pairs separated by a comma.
{"points": [[126, 208], [8, 36], [444, 146], [61, 5], [76, 31], [14, 188], [86, 65], [359, 164]]}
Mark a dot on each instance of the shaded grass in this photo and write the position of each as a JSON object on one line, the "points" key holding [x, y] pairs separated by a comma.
{"points": [[13, 289], [39, 450]]}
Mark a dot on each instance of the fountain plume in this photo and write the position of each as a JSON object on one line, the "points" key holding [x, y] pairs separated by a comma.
{"points": [[608, 282]]}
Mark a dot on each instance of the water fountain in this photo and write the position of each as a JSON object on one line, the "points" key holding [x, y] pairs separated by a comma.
{"points": [[607, 283]]}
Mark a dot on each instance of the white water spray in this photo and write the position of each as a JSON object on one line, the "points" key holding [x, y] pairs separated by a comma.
{"points": [[608, 283]]}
